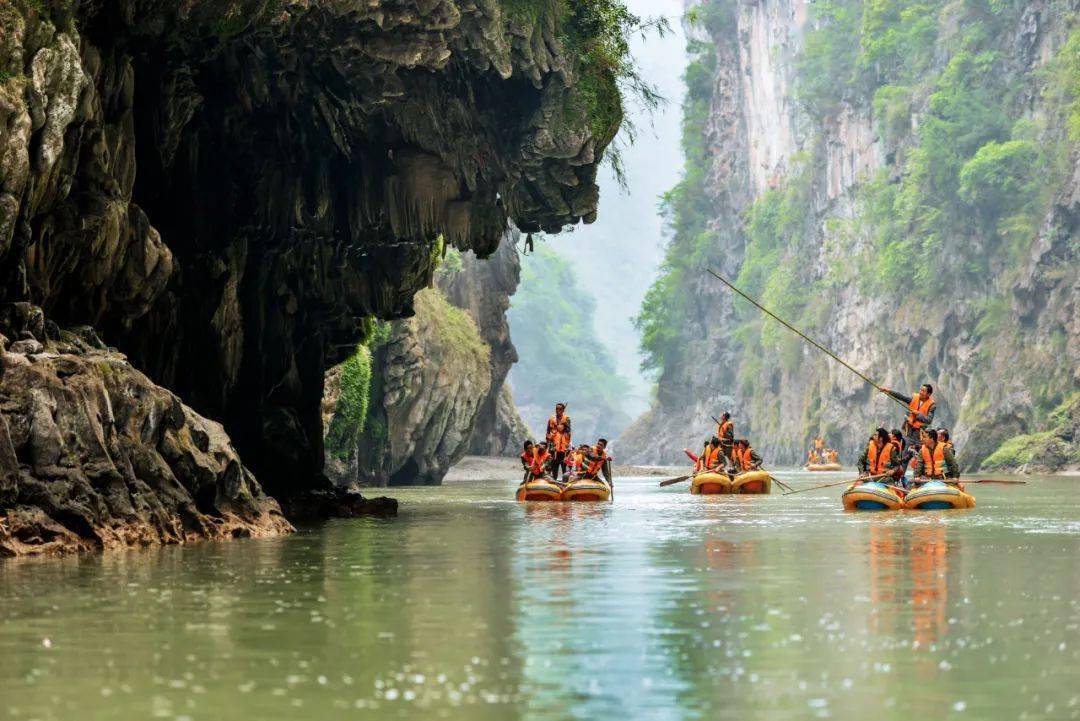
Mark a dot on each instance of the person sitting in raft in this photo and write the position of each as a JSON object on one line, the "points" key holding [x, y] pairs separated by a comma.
{"points": [[880, 457], [725, 431], [711, 458], [920, 411], [943, 437], [526, 460], [596, 461], [935, 461], [558, 438], [541, 463], [697, 459], [906, 456], [811, 457], [746, 458]]}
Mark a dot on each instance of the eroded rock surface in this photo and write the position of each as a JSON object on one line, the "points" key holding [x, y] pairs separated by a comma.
{"points": [[93, 455], [225, 190]]}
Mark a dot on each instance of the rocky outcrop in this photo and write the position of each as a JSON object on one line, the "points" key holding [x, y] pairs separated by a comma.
{"points": [[226, 190], [483, 289], [93, 455], [430, 379], [805, 167]]}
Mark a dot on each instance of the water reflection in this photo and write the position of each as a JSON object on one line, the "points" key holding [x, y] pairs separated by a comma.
{"points": [[661, 606]]}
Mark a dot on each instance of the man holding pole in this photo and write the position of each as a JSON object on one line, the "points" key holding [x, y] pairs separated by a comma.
{"points": [[725, 431], [920, 411]]}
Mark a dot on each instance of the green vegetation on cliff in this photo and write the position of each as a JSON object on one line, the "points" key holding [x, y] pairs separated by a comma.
{"points": [[977, 136], [551, 321]]}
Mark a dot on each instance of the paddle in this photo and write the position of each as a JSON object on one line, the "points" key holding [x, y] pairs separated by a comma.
{"points": [[673, 481], [783, 486], [839, 483], [994, 480]]}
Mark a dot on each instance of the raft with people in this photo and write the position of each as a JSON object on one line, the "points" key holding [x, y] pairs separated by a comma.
{"points": [[556, 471], [823, 467]]}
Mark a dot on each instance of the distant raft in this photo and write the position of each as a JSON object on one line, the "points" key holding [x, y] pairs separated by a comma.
{"points": [[585, 489], [751, 482], [872, 496], [823, 467], [938, 495], [539, 489]]}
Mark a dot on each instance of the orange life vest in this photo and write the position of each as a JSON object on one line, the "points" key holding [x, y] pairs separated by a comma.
{"points": [[743, 458], [934, 463], [878, 461], [819, 443], [557, 433], [594, 466], [709, 457], [921, 407], [723, 428], [537, 462]]}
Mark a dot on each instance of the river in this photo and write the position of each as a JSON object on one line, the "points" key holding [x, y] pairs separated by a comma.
{"points": [[659, 606]]}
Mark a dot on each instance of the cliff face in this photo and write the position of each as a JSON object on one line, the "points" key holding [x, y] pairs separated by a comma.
{"points": [[226, 190], [899, 179], [434, 385], [95, 456]]}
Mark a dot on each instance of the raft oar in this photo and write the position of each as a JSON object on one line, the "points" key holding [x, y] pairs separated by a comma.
{"points": [[805, 337], [783, 486], [680, 479], [994, 480], [840, 483]]}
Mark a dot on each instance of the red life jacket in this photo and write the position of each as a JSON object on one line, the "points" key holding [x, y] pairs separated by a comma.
{"points": [[537, 462], [917, 406], [934, 463]]}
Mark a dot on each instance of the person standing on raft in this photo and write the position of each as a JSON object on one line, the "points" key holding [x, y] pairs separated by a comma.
{"points": [[558, 438], [935, 461], [921, 410], [725, 431], [746, 458]]}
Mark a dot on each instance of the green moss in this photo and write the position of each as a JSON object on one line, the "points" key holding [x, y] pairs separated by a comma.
{"points": [[1018, 451], [350, 413], [454, 329]]}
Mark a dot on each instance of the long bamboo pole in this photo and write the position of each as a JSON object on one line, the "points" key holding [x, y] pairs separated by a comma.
{"points": [[802, 335]]}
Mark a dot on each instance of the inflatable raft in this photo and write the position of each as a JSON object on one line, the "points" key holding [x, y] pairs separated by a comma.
{"points": [[752, 482], [938, 495], [711, 484], [586, 490], [872, 496], [823, 467], [539, 489]]}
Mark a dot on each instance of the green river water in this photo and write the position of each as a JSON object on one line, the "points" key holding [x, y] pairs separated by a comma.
{"points": [[659, 606]]}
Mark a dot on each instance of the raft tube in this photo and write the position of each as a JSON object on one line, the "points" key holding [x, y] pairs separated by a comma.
{"points": [[938, 495], [710, 484], [823, 467], [539, 489], [585, 489], [752, 482], [872, 496]]}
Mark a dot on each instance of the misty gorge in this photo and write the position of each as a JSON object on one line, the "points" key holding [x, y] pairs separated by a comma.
{"points": [[533, 360]]}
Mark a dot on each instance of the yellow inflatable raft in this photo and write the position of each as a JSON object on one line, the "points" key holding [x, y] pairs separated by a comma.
{"points": [[587, 490], [710, 484], [872, 496], [938, 495], [539, 489], [823, 467], [752, 482]]}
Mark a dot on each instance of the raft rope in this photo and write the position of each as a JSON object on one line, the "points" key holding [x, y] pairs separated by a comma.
{"points": [[802, 335]]}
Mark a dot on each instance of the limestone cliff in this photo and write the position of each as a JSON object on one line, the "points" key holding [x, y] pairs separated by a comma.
{"points": [[434, 388], [227, 190], [900, 179]]}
